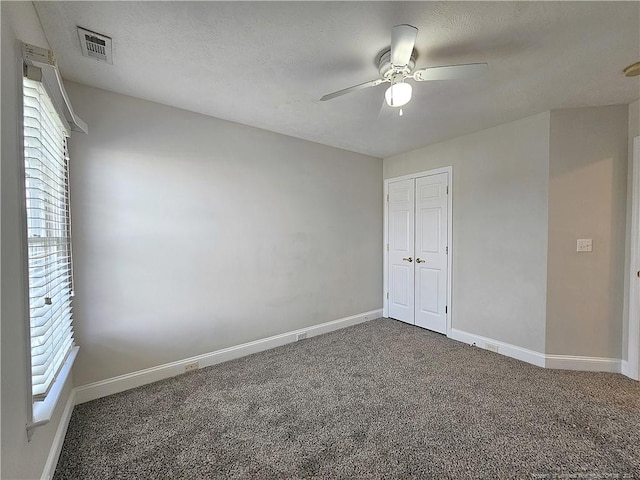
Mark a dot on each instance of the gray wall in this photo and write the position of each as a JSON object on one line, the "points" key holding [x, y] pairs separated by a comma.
{"points": [[20, 459], [193, 234], [523, 193], [587, 199], [500, 181]]}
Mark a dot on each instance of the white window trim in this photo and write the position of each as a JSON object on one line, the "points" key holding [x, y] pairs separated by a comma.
{"points": [[41, 411]]}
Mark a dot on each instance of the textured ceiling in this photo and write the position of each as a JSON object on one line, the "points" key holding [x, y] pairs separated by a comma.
{"points": [[266, 64]]}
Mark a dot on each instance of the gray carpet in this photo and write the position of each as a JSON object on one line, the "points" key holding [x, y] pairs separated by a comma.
{"points": [[378, 400]]}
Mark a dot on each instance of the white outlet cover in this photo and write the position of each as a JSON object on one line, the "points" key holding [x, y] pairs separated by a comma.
{"points": [[584, 245], [491, 347]]}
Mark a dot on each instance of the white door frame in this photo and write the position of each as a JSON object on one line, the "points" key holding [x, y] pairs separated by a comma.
{"points": [[385, 261], [633, 330]]}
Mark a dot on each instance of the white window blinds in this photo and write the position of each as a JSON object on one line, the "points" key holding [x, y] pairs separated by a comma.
{"points": [[49, 236]]}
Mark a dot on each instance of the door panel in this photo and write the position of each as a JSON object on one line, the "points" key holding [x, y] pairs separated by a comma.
{"points": [[400, 229], [431, 252], [430, 226], [430, 192], [430, 288], [400, 280], [401, 244]]}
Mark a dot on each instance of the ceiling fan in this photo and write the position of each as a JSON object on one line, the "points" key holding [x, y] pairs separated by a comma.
{"points": [[397, 65]]}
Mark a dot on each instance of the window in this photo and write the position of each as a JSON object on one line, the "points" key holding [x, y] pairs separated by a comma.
{"points": [[48, 236]]}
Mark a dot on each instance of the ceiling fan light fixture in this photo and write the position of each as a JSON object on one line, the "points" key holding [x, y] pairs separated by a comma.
{"points": [[398, 94]]}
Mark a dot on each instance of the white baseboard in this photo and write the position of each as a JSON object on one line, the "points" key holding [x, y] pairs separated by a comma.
{"points": [[585, 364], [563, 362], [121, 383], [58, 439], [513, 351]]}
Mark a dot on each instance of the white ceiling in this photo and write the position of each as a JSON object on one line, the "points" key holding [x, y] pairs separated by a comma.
{"points": [[266, 64]]}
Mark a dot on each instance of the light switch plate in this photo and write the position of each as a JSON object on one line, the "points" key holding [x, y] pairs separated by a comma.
{"points": [[584, 245]]}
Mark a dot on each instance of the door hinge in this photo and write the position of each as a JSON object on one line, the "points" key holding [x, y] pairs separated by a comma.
{"points": [[387, 295], [387, 247], [447, 189], [387, 197], [446, 250], [446, 309]]}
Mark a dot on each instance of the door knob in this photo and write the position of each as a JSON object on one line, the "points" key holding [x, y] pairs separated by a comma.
{"points": [[408, 259], [419, 260]]}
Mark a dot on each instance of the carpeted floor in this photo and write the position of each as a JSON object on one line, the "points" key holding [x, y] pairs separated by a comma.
{"points": [[378, 400]]}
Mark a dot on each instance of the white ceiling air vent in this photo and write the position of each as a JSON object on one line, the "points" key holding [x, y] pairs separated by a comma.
{"points": [[95, 45]]}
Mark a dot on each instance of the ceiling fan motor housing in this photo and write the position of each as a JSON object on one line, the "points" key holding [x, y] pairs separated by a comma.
{"points": [[388, 70]]}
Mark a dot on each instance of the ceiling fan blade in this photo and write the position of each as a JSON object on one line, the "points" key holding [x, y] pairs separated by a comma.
{"points": [[403, 38], [450, 72], [372, 83]]}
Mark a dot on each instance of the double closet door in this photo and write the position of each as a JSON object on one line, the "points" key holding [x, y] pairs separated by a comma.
{"points": [[418, 249]]}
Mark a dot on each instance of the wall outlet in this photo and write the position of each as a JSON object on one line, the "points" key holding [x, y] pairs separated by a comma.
{"points": [[301, 336], [491, 347], [191, 366]]}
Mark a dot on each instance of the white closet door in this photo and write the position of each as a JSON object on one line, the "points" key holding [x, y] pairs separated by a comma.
{"points": [[418, 251], [401, 242], [431, 252]]}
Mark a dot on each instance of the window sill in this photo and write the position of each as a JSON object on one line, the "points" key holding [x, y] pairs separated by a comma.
{"points": [[42, 410]]}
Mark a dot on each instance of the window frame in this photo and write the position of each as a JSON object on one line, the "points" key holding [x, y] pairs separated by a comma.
{"points": [[41, 410]]}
